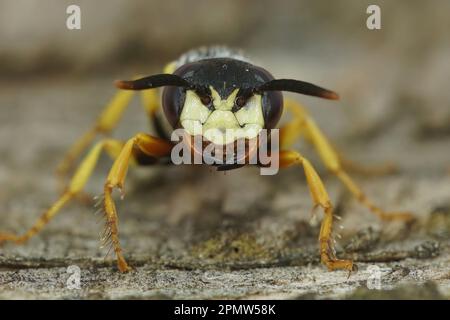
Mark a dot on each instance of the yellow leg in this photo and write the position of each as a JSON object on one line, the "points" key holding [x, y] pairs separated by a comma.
{"points": [[106, 122], [320, 198], [76, 185], [302, 123], [295, 128], [149, 145], [379, 170]]}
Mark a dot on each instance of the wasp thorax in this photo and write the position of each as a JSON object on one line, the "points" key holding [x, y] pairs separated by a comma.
{"points": [[223, 122]]}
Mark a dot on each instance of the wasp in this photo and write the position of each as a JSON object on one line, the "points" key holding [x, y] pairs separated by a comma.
{"points": [[212, 88]]}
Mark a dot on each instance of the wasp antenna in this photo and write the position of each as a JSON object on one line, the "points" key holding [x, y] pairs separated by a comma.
{"points": [[154, 81], [298, 86]]}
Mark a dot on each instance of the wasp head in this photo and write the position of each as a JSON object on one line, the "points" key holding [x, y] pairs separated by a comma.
{"points": [[223, 99], [222, 103]]}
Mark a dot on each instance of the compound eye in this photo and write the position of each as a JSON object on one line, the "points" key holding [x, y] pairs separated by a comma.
{"points": [[272, 104], [173, 100]]}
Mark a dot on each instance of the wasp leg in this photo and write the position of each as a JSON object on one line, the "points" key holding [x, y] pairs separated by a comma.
{"points": [[373, 170], [320, 198], [150, 146], [105, 123], [295, 128], [76, 185], [331, 160]]}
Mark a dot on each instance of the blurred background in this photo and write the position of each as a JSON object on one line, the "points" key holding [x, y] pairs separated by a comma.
{"points": [[383, 76], [395, 106]]}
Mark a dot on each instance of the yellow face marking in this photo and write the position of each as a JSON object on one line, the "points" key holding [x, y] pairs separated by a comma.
{"points": [[224, 105], [251, 112], [193, 108], [221, 120], [221, 125]]}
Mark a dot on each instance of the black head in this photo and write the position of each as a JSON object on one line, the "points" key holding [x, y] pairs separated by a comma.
{"points": [[223, 75], [223, 93]]}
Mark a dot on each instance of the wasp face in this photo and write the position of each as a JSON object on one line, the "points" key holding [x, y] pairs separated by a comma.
{"points": [[223, 99], [221, 103]]}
